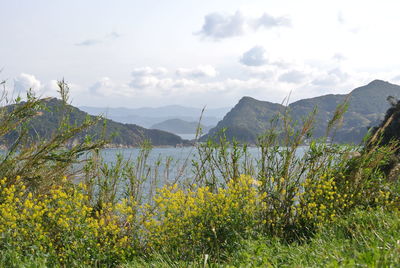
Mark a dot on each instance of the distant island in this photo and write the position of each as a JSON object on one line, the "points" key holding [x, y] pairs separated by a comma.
{"points": [[179, 126], [149, 116]]}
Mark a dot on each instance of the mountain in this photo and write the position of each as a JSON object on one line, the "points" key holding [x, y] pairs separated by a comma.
{"points": [[148, 116], [247, 119], [179, 126], [120, 135], [367, 106]]}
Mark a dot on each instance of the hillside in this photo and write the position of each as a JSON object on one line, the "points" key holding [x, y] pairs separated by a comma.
{"points": [[179, 126], [367, 105], [119, 135]]}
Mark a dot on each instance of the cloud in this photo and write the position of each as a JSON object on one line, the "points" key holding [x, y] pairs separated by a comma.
{"points": [[96, 41], [269, 21], [199, 72], [25, 82], [106, 87], [103, 82], [144, 82], [331, 78], [292, 77], [254, 57], [218, 26], [143, 71], [184, 83], [148, 77], [155, 79], [51, 88]]}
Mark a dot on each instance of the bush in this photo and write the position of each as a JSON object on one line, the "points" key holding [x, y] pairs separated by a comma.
{"points": [[61, 227], [189, 223]]}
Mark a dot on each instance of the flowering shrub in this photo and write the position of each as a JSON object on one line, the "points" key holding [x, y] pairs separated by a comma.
{"points": [[327, 197], [191, 222], [61, 226]]}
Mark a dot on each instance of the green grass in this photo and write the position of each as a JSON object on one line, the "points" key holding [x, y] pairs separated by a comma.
{"points": [[364, 239]]}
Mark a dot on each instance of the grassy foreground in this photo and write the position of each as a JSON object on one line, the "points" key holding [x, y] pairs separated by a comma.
{"points": [[363, 239]]}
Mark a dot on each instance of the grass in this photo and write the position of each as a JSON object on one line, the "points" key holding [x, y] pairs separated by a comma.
{"points": [[363, 239]]}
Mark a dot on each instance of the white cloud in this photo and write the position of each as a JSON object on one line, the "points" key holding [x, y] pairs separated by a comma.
{"points": [[95, 41], [143, 71], [25, 82], [145, 82], [184, 83], [51, 89], [218, 26], [293, 76], [254, 57], [104, 87], [200, 71], [269, 21], [331, 78]]}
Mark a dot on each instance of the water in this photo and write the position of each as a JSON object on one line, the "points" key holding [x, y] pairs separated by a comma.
{"points": [[178, 154], [180, 158], [178, 169]]}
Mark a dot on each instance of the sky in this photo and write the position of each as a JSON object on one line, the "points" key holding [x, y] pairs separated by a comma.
{"points": [[131, 53]]}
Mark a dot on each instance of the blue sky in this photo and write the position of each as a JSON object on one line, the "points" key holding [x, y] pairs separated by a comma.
{"points": [[196, 53]]}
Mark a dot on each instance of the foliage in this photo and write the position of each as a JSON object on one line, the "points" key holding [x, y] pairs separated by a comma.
{"points": [[62, 227], [188, 223], [41, 162]]}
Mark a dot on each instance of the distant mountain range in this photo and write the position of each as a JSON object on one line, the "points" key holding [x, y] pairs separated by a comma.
{"points": [[148, 116], [367, 106], [179, 126], [119, 134]]}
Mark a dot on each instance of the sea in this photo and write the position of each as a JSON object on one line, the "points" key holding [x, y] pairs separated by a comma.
{"points": [[171, 161]]}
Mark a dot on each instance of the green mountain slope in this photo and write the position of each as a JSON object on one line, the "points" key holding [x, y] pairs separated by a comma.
{"points": [[119, 135], [367, 105]]}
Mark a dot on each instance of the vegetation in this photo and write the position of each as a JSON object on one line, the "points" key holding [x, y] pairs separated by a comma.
{"points": [[62, 205]]}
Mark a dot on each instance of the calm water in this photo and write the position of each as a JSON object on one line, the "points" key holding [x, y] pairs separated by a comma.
{"points": [[179, 157]]}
